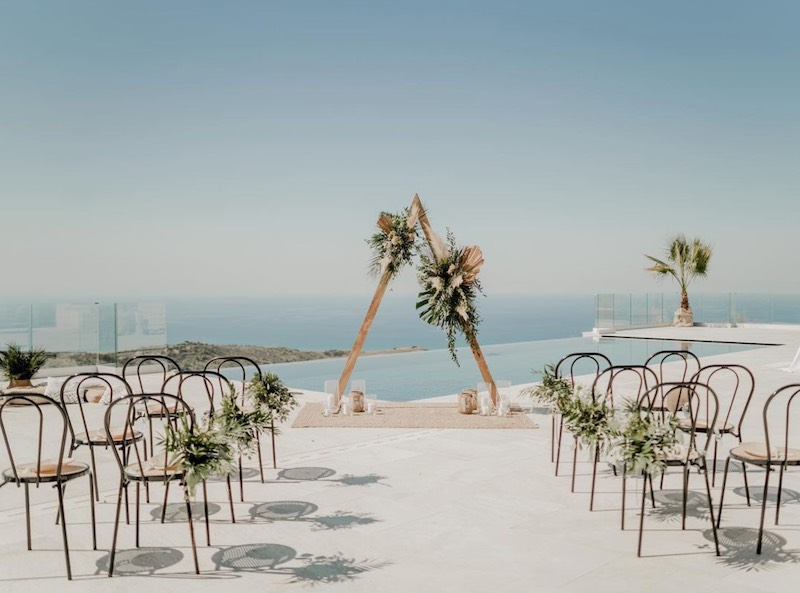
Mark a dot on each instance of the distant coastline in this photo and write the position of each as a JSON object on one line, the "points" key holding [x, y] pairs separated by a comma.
{"points": [[195, 355]]}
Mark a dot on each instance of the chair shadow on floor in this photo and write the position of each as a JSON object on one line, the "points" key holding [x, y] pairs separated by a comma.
{"points": [[140, 561], [297, 510], [305, 474], [275, 559], [739, 549], [176, 511]]}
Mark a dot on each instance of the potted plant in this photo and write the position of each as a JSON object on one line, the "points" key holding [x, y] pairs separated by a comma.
{"points": [[685, 261], [270, 394], [19, 366]]}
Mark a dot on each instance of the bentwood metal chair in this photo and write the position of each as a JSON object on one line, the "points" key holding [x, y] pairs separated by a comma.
{"points": [[87, 429], [779, 450], [137, 368], [202, 391], [570, 367], [674, 365], [734, 384], [129, 412], [34, 433], [623, 382], [237, 366], [699, 402]]}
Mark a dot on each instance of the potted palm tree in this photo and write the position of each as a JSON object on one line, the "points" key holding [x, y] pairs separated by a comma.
{"points": [[686, 260], [19, 366]]}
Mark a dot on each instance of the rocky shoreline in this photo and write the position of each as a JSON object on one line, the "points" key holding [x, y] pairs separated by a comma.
{"points": [[194, 355]]}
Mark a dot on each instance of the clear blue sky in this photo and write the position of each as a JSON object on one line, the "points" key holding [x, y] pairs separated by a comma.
{"points": [[246, 148]]}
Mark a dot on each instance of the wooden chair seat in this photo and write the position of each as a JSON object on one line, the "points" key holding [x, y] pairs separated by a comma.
{"points": [[702, 425], [98, 437], [756, 453], [47, 471]]}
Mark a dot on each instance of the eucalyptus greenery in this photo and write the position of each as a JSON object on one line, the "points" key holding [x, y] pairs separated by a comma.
{"points": [[588, 418], [449, 289], [270, 394], [554, 392], [395, 243], [19, 364], [644, 439], [242, 427], [200, 451]]}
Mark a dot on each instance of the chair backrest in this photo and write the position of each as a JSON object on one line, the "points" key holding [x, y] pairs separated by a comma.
{"points": [[697, 400], [203, 390], [629, 381], [781, 414], [674, 365], [581, 363], [126, 413], [108, 384], [237, 366], [734, 384], [29, 424], [134, 369]]}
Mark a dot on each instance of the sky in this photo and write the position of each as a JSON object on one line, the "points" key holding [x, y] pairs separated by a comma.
{"points": [[163, 149]]}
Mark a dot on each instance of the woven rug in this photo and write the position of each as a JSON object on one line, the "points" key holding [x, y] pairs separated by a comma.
{"points": [[409, 415]]}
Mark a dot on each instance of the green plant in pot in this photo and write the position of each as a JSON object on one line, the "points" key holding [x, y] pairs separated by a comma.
{"points": [[19, 366], [269, 393]]}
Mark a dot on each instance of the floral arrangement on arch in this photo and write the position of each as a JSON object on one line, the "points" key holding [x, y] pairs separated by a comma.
{"points": [[395, 243], [449, 289]]}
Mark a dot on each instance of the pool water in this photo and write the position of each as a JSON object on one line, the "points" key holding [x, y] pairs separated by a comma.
{"points": [[432, 373]]}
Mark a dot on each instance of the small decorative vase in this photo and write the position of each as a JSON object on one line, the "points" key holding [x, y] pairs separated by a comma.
{"points": [[357, 400], [467, 401], [12, 383]]}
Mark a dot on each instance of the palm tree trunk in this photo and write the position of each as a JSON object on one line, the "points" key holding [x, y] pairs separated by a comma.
{"points": [[684, 300]]}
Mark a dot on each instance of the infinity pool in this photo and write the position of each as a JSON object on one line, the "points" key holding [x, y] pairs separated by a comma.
{"points": [[416, 375]]}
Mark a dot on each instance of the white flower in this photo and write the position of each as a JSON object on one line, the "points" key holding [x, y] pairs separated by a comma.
{"points": [[395, 238], [456, 281], [462, 311], [436, 283], [452, 269]]}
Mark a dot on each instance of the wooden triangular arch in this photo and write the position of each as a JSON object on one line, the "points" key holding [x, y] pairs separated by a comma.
{"points": [[439, 252]]}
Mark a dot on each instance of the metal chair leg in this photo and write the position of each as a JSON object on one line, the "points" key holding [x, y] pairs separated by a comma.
{"points": [[94, 473], [711, 511], [746, 485], [205, 509], [780, 491], [272, 438], [722, 492], [574, 465], [260, 462], [28, 514], [94, 519], [191, 529], [594, 476], [64, 529], [558, 447], [230, 499], [164, 506], [763, 511], [641, 516], [137, 513], [624, 491], [685, 495], [116, 530]]}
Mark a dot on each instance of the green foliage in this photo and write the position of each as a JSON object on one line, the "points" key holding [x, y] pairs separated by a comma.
{"points": [[271, 395], [644, 439], [201, 451], [449, 289], [241, 426], [552, 391], [21, 364], [686, 260], [394, 244], [588, 419]]}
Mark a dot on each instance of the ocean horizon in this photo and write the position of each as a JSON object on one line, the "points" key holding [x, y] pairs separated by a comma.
{"points": [[326, 322]]}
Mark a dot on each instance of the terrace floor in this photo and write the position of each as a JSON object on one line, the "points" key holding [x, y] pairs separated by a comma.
{"points": [[440, 510]]}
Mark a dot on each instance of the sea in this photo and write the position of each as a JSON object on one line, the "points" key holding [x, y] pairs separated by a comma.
{"points": [[519, 335]]}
